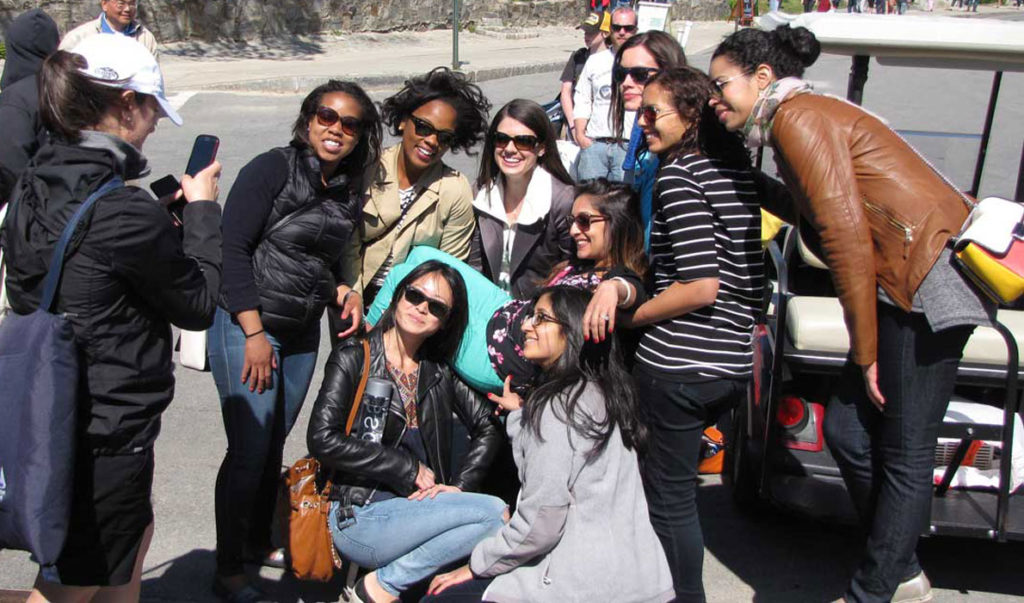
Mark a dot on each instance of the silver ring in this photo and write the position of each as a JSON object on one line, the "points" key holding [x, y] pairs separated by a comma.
{"points": [[606, 317]]}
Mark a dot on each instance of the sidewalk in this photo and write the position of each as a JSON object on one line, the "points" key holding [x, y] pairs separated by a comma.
{"points": [[378, 60]]}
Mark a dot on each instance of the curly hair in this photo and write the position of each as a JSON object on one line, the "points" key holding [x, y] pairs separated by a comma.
{"points": [[364, 156], [690, 90], [787, 50], [470, 104]]}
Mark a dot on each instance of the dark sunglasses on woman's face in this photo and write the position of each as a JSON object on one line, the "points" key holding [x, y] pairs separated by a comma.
{"points": [[416, 297], [640, 75], [583, 221], [625, 28], [327, 117], [445, 138], [523, 142]]}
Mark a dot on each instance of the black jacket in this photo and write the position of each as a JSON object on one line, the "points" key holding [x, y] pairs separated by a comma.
{"points": [[30, 39], [537, 248], [288, 264], [128, 277], [359, 467]]}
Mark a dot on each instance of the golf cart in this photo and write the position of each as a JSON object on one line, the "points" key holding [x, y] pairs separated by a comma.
{"points": [[777, 452]]}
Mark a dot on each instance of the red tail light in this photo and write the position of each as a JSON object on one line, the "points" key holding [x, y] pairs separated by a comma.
{"points": [[791, 411]]}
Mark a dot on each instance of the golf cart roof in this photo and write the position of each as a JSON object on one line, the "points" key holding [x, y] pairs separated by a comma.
{"points": [[914, 41]]}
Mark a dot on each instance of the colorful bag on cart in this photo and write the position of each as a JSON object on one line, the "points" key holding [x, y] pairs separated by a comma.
{"points": [[990, 248]]}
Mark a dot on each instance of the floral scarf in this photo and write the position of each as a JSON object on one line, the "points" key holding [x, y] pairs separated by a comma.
{"points": [[757, 130]]}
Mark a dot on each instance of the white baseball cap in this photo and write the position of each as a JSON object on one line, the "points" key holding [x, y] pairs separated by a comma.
{"points": [[118, 61]]}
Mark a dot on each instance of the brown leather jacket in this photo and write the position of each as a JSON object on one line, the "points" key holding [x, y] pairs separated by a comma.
{"points": [[883, 215]]}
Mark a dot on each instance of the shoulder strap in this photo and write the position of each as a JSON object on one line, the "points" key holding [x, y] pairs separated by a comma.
{"points": [[359, 390], [57, 261]]}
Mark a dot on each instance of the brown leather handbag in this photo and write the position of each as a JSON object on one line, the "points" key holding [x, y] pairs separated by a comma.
{"points": [[310, 547]]}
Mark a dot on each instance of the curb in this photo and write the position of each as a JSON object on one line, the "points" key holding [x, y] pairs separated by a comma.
{"points": [[300, 84]]}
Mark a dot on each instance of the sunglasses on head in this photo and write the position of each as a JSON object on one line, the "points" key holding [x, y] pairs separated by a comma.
{"points": [[523, 142], [627, 28], [327, 117], [445, 138], [415, 297], [640, 75], [651, 113], [584, 220]]}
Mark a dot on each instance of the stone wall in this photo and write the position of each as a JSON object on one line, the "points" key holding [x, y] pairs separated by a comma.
{"points": [[699, 10], [173, 20]]}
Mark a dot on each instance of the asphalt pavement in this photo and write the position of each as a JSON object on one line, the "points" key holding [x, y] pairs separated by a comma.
{"points": [[770, 558]]}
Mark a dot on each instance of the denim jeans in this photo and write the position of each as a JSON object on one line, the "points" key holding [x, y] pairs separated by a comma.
{"points": [[256, 426], [677, 414], [886, 458], [409, 540], [602, 160]]}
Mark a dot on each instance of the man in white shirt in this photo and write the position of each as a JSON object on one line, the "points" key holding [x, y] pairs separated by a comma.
{"points": [[602, 151], [116, 17]]}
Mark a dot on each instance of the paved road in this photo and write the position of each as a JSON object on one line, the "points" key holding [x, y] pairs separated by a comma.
{"points": [[772, 559]]}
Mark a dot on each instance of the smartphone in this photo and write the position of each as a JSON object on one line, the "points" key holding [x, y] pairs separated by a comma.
{"points": [[165, 187], [204, 151]]}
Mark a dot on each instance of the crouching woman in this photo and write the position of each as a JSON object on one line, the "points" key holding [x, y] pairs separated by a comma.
{"points": [[398, 505]]}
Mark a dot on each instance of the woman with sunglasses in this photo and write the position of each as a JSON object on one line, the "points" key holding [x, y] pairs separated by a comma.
{"points": [[399, 506], [639, 59], [882, 218], [580, 531], [524, 195], [415, 198], [287, 221], [694, 363], [609, 261]]}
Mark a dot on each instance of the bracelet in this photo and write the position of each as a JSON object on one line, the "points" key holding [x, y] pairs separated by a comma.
{"points": [[629, 292], [253, 334]]}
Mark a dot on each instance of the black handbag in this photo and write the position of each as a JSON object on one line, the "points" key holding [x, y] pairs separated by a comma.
{"points": [[40, 374]]}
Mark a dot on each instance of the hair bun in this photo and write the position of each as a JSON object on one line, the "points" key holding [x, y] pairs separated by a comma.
{"points": [[800, 42]]}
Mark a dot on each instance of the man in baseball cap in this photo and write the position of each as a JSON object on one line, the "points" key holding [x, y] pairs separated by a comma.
{"points": [[595, 29]]}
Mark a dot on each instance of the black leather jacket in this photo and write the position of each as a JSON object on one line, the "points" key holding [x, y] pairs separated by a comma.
{"points": [[357, 467]]}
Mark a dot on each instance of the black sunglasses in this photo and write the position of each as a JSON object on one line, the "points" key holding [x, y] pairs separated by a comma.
{"points": [[640, 75], [629, 28], [327, 117], [523, 142], [416, 297], [445, 138], [583, 221]]}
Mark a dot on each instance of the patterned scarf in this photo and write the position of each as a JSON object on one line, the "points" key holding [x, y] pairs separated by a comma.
{"points": [[757, 130]]}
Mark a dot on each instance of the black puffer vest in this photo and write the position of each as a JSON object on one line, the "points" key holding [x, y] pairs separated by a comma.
{"points": [[306, 232]]}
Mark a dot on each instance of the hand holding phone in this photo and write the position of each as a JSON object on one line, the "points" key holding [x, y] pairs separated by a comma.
{"points": [[202, 172]]}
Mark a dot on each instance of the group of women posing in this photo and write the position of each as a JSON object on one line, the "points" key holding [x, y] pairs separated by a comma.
{"points": [[320, 223]]}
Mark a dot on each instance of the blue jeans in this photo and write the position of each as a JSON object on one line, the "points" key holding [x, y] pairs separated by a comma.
{"points": [[677, 414], [886, 458], [256, 426], [409, 540], [602, 160]]}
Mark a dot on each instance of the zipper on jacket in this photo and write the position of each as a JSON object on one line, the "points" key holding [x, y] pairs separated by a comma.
{"points": [[405, 426], [908, 233]]}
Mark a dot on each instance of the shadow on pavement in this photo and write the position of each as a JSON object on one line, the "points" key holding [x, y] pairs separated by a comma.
{"points": [[783, 557], [278, 48]]}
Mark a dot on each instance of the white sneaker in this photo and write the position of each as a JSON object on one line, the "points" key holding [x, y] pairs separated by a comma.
{"points": [[916, 590]]}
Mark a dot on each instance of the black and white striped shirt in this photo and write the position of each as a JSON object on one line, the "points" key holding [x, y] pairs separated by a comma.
{"points": [[706, 224]]}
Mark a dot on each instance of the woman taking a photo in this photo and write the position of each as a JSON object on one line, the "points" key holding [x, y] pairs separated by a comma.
{"points": [[580, 531], [883, 217], [287, 221], [415, 199], [129, 275], [398, 507], [524, 196], [707, 271]]}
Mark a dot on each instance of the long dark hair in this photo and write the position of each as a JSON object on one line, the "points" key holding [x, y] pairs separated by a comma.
{"points": [[583, 362], [690, 90], [787, 50], [70, 101], [470, 104], [531, 115], [362, 158], [441, 346], [667, 53], [620, 204]]}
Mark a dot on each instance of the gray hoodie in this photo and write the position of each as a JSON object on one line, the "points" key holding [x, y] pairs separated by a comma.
{"points": [[581, 530]]}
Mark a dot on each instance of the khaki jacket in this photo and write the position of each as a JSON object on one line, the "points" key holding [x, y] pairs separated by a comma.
{"points": [[92, 28], [441, 217], [882, 214]]}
